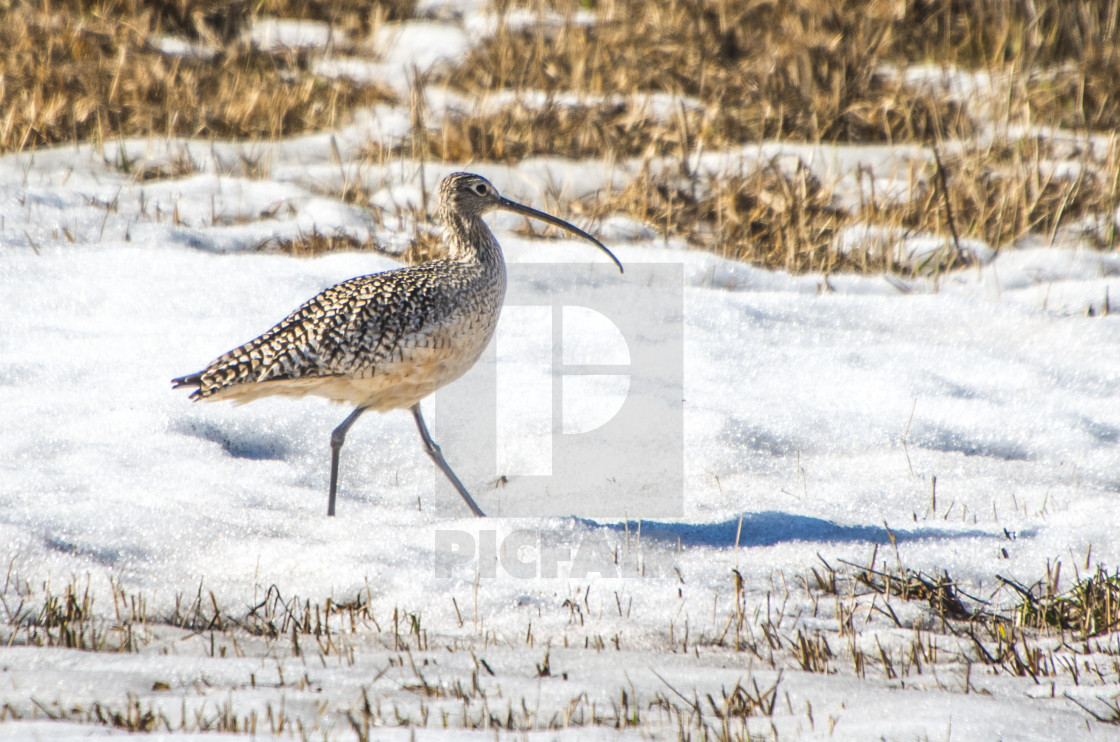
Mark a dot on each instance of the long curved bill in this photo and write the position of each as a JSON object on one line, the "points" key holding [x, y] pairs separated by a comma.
{"points": [[516, 208]]}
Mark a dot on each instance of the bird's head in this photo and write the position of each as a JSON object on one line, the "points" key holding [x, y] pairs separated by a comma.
{"points": [[469, 196]]}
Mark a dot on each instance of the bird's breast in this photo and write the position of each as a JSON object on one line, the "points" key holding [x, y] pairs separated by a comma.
{"points": [[442, 349]]}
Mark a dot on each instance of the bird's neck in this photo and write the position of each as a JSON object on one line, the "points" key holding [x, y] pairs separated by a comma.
{"points": [[470, 240]]}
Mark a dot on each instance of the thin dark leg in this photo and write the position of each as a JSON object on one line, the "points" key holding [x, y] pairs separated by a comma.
{"points": [[437, 456], [338, 437]]}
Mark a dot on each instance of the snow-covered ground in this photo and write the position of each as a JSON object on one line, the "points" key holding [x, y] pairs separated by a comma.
{"points": [[967, 425]]}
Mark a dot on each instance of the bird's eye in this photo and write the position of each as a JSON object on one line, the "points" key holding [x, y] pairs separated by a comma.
{"points": [[480, 189]]}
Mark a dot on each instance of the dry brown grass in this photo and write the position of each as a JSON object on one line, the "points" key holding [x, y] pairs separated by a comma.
{"points": [[785, 217], [809, 69], [771, 216], [981, 33], [1081, 95], [353, 17], [1000, 194], [1091, 607], [812, 70], [223, 20], [426, 244], [194, 19], [80, 76], [310, 244], [516, 131]]}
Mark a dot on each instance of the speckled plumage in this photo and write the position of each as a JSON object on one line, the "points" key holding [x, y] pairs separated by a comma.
{"points": [[383, 341], [387, 340]]}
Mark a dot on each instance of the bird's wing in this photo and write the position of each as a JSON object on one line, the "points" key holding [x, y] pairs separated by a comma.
{"points": [[345, 329]]}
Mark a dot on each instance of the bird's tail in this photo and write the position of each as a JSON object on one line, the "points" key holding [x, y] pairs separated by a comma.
{"points": [[190, 380]]}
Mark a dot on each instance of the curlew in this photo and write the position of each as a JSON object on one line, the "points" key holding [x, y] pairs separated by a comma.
{"points": [[388, 340]]}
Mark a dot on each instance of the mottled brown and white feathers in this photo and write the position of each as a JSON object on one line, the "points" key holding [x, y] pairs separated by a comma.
{"points": [[386, 340]]}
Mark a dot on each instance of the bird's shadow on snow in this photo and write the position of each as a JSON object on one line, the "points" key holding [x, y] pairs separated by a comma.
{"points": [[255, 446], [770, 528], [104, 556]]}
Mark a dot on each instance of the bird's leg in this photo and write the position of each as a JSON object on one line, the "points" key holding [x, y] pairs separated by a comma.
{"points": [[338, 437], [437, 456]]}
